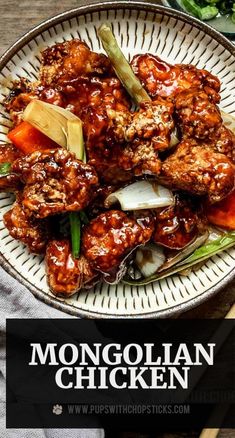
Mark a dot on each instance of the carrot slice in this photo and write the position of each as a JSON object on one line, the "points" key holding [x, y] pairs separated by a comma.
{"points": [[29, 139], [222, 213]]}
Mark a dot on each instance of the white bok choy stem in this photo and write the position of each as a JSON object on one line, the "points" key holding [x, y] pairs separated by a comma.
{"points": [[149, 259], [141, 195]]}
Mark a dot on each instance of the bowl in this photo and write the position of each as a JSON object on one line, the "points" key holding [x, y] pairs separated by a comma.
{"points": [[140, 27]]}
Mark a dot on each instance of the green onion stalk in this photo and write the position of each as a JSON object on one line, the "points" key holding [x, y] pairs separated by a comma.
{"points": [[75, 143], [121, 66]]}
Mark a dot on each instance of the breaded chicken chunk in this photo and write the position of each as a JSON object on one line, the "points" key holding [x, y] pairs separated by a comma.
{"points": [[30, 231], [111, 236], [66, 275], [199, 170], [55, 182], [9, 181], [162, 79], [66, 61]]}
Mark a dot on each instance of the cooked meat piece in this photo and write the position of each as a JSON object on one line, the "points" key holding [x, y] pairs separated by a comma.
{"points": [[152, 122], [141, 158], [90, 99], [143, 134], [22, 92], [110, 237], [65, 274], [11, 181], [197, 116], [179, 224], [224, 142], [98, 203], [87, 97], [201, 119], [199, 170], [55, 182], [8, 153], [70, 59], [162, 79], [30, 231]]}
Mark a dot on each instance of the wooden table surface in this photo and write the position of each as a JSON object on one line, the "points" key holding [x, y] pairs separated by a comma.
{"points": [[18, 16]]}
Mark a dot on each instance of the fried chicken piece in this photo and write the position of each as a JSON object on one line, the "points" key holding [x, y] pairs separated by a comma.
{"points": [[201, 119], [65, 274], [10, 181], [224, 142], [199, 170], [153, 122], [162, 79], [177, 225], [143, 134], [8, 153], [109, 238], [197, 116], [29, 231], [56, 182], [70, 59], [141, 158], [21, 94]]}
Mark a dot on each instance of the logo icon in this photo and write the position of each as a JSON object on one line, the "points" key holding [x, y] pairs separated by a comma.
{"points": [[57, 409]]}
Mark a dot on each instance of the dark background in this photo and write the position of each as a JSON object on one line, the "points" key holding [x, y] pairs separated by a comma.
{"points": [[29, 401]]}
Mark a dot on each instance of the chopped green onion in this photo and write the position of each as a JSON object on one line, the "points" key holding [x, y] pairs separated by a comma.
{"points": [[75, 227], [121, 65], [5, 168], [75, 144]]}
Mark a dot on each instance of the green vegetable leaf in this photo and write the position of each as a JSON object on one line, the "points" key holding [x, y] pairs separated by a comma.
{"points": [[199, 255], [5, 168]]}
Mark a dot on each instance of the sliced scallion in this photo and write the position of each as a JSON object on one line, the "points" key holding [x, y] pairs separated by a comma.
{"points": [[75, 227]]}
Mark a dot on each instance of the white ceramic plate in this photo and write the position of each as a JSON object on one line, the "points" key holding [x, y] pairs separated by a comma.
{"points": [[139, 28]]}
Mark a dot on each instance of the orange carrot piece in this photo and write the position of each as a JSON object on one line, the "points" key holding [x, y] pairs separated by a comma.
{"points": [[222, 213], [29, 139]]}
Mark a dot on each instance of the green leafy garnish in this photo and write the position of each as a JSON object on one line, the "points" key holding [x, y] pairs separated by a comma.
{"points": [[202, 12], [5, 168]]}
